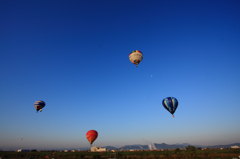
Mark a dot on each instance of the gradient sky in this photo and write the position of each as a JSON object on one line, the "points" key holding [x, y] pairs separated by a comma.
{"points": [[74, 56]]}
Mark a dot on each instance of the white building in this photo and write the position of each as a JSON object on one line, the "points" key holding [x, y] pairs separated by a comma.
{"points": [[19, 150], [152, 147], [98, 149], [235, 147]]}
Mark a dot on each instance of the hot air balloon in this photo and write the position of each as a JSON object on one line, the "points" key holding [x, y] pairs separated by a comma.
{"points": [[136, 57], [39, 105], [171, 104], [91, 136]]}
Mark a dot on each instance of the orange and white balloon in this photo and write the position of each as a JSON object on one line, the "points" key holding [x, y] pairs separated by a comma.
{"points": [[136, 57]]}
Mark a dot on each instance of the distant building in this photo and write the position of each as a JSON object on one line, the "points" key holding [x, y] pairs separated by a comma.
{"points": [[235, 147], [19, 150], [152, 147], [98, 149], [23, 150]]}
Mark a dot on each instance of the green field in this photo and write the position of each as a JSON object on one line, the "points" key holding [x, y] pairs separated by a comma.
{"points": [[171, 154]]}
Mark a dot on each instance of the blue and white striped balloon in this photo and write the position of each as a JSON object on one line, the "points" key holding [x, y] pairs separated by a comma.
{"points": [[171, 104]]}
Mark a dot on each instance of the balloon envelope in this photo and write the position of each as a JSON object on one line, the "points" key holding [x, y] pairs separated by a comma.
{"points": [[39, 105], [171, 104], [136, 57], [91, 136]]}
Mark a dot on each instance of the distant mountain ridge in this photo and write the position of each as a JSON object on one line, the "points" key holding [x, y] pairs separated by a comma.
{"points": [[156, 146], [224, 146], [153, 146]]}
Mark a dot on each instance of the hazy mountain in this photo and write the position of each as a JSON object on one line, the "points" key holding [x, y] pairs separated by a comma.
{"points": [[156, 146], [111, 147], [153, 146], [224, 146], [167, 146], [134, 147]]}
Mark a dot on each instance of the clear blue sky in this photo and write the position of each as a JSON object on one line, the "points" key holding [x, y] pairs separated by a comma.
{"points": [[74, 56]]}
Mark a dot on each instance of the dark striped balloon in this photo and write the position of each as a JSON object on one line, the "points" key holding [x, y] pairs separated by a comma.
{"points": [[171, 104], [39, 105]]}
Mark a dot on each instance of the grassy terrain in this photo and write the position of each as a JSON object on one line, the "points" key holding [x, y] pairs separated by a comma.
{"points": [[175, 154]]}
